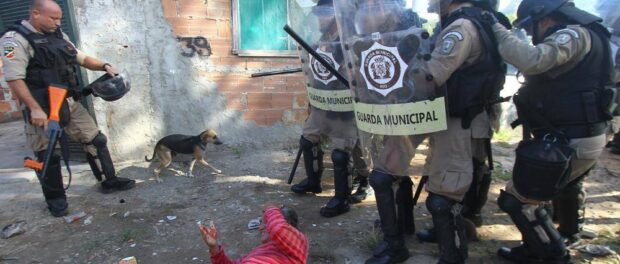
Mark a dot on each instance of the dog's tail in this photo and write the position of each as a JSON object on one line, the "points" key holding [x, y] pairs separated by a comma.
{"points": [[152, 157]]}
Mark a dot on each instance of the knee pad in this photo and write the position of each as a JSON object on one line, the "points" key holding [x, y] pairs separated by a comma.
{"points": [[340, 158], [380, 180], [100, 140], [509, 203], [439, 205], [306, 144]]}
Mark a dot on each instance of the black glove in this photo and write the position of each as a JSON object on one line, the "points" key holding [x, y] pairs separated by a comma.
{"points": [[489, 17]]}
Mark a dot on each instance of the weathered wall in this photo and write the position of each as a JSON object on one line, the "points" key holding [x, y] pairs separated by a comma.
{"points": [[9, 107], [176, 93]]}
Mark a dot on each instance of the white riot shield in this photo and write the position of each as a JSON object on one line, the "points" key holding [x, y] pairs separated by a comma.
{"points": [[385, 44], [396, 103], [316, 24]]}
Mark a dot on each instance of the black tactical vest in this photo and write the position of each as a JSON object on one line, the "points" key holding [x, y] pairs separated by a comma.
{"points": [[573, 101], [471, 89], [54, 62]]}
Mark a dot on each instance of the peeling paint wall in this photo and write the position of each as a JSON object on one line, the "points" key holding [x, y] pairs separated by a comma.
{"points": [[171, 93]]}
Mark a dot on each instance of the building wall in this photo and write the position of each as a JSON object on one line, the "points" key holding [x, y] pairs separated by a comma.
{"points": [[9, 107], [180, 89]]}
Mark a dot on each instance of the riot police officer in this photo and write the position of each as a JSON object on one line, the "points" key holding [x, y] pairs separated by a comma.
{"points": [[36, 53], [566, 72], [330, 117]]}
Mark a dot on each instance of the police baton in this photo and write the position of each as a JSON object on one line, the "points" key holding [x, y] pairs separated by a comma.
{"points": [[290, 177], [263, 74], [418, 191], [316, 56]]}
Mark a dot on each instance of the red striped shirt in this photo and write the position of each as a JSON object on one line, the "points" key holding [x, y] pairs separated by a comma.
{"points": [[286, 244]]}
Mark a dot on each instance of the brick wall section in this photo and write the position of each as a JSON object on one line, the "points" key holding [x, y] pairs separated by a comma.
{"points": [[266, 100], [9, 107]]}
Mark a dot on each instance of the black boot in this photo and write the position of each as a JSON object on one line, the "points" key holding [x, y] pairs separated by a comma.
{"points": [[542, 243], [362, 190], [117, 184], [427, 235], [52, 185], [390, 250], [112, 183], [476, 196], [449, 228], [313, 163], [570, 209], [404, 201], [521, 254], [614, 145], [339, 204]]}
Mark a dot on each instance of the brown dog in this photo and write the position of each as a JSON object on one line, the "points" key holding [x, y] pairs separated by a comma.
{"points": [[170, 145]]}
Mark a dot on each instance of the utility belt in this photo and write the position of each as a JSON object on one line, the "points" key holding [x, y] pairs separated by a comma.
{"points": [[574, 131]]}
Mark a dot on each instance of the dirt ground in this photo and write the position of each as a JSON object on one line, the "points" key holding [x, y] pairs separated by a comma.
{"points": [[135, 222]]}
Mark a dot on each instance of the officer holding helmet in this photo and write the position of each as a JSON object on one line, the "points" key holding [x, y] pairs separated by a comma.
{"points": [[36, 53], [566, 70], [331, 115]]}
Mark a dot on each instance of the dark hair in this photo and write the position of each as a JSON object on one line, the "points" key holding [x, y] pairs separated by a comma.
{"points": [[289, 215]]}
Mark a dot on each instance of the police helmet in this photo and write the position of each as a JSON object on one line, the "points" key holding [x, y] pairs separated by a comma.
{"points": [[534, 10], [111, 88], [384, 16]]}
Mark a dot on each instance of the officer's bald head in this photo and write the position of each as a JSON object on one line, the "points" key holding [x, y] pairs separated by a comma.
{"points": [[45, 15]]}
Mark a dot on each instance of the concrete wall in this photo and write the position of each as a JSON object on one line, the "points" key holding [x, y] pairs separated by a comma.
{"points": [[175, 93], [9, 107]]}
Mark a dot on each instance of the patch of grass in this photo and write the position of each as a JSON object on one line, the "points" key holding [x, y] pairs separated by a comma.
{"points": [[96, 242], [322, 255], [128, 235], [371, 238], [499, 172], [508, 135], [237, 151]]}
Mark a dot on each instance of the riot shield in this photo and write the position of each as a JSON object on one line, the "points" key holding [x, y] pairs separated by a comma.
{"points": [[316, 24], [396, 102], [385, 44]]}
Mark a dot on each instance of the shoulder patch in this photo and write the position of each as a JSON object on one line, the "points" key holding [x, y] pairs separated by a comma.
{"points": [[563, 38], [8, 49], [447, 46], [569, 31], [10, 34], [454, 34]]}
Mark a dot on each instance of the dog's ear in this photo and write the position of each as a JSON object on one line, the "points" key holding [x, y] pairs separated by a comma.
{"points": [[204, 135]]}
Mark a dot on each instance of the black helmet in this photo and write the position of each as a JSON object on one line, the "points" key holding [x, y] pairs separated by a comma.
{"points": [[111, 88], [490, 5], [534, 10]]}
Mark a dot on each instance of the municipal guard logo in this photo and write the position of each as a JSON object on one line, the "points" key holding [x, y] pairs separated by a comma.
{"points": [[383, 68], [319, 71], [9, 50]]}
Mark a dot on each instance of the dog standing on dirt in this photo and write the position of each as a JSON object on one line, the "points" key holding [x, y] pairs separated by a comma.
{"points": [[170, 145]]}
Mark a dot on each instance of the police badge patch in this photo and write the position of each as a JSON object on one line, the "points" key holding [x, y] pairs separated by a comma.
{"points": [[9, 49], [383, 68], [563, 38], [447, 46]]}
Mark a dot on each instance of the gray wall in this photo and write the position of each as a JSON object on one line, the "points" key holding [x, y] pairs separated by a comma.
{"points": [[167, 95]]}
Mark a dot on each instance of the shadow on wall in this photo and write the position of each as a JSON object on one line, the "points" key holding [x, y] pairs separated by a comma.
{"points": [[168, 96]]}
